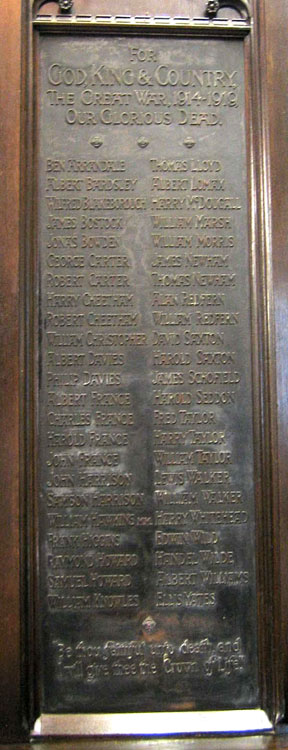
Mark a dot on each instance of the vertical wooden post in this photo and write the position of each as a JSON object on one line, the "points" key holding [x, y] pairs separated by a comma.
{"points": [[11, 721]]}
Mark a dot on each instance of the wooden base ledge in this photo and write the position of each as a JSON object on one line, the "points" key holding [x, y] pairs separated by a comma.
{"points": [[199, 722], [278, 741]]}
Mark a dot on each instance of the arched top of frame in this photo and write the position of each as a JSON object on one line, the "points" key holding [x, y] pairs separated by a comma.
{"points": [[65, 12], [213, 6]]}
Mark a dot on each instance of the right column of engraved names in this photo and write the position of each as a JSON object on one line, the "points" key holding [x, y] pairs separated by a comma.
{"points": [[201, 366]]}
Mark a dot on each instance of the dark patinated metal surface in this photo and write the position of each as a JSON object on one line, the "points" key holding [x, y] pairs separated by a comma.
{"points": [[146, 498]]}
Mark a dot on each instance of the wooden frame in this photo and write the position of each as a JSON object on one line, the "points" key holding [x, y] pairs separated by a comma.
{"points": [[269, 141]]}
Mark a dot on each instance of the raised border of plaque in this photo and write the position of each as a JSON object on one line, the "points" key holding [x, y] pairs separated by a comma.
{"points": [[182, 722]]}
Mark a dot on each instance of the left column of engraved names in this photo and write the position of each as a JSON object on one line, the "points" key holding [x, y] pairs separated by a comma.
{"points": [[91, 325]]}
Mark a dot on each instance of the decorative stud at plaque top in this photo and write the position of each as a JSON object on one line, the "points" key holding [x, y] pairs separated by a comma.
{"points": [[212, 8], [65, 6], [242, 6]]}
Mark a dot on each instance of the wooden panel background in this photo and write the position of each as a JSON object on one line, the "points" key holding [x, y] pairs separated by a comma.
{"points": [[273, 58], [10, 687]]}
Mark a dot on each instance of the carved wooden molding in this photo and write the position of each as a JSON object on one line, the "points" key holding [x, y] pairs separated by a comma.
{"points": [[213, 6]]}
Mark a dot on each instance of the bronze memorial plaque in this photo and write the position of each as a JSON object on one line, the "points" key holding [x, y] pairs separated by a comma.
{"points": [[147, 569]]}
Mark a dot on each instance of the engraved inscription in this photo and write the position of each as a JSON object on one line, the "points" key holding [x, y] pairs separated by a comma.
{"points": [[146, 474]]}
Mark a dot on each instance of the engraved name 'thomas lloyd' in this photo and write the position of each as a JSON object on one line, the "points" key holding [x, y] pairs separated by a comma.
{"points": [[146, 507]]}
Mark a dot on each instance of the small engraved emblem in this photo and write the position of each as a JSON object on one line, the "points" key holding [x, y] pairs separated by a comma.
{"points": [[142, 142], [65, 5], [96, 141], [189, 143], [149, 624]]}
